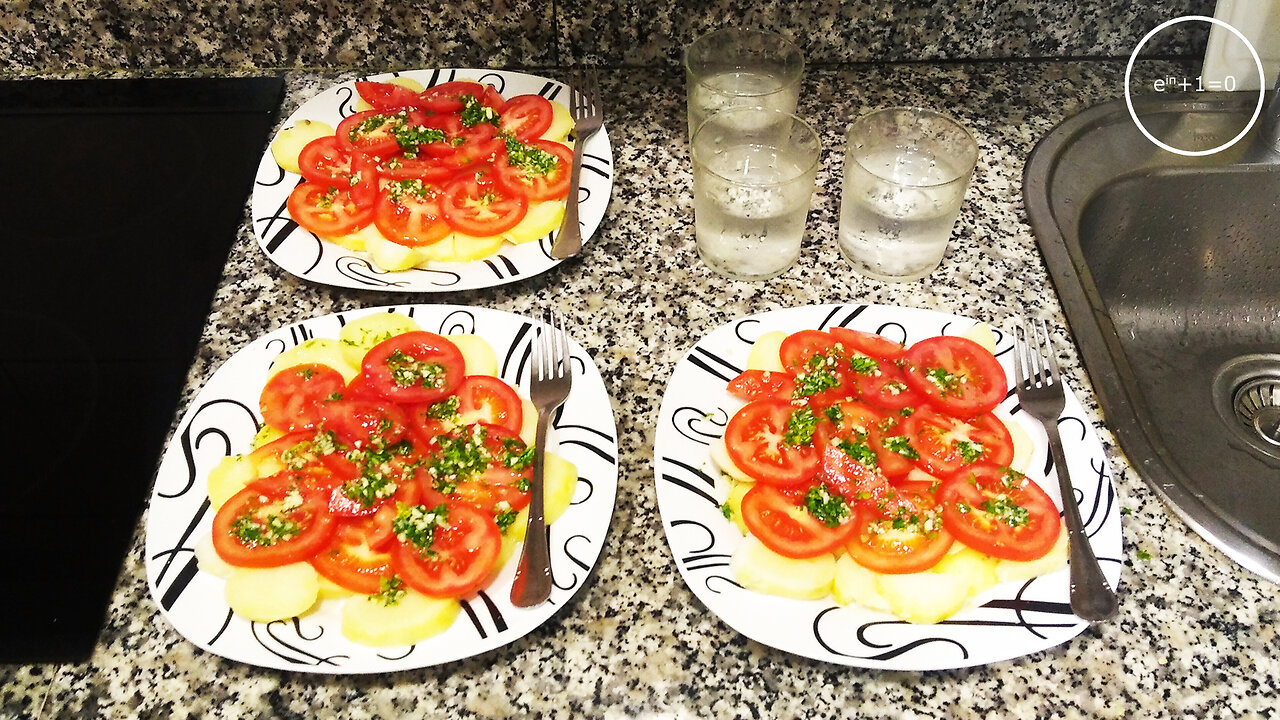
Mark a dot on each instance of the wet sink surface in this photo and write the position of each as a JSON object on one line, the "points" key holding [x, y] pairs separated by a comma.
{"points": [[1169, 273]]}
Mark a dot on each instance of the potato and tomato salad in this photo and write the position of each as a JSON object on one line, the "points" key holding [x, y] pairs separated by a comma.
{"points": [[426, 175], [391, 474], [878, 474]]}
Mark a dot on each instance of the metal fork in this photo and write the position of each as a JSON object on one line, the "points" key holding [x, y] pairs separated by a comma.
{"points": [[587, 118], [550, 377], [1039, 388]]}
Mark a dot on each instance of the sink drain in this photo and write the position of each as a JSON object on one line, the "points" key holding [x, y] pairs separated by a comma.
{"points": [[1252, 384]]}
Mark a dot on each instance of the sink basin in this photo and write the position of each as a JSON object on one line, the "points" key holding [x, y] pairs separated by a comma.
{"points": [[1168, 268]]}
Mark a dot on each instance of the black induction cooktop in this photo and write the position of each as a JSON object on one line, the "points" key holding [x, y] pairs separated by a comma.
{"points": [[120, 202]]}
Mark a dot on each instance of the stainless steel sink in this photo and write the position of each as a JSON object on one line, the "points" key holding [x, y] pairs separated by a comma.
{"points": [[1168, 269]]}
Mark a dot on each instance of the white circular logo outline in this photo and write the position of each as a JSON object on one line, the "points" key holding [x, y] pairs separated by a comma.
{"points": [[1262, 85]]}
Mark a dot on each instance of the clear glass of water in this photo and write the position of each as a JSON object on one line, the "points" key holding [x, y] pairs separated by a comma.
{"points": [[754, 170], [736, 67], [905, 174]]}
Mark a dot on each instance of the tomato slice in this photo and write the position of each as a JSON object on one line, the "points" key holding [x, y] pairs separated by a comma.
{"points": [[387, 97], [408, 213], [491, 98], [868, 343], [800, 347], [849, 475], [366, 421], [351, 560], [325, 160], [447, 96], [882, 383], [539, 170], [486, 466], [458, 556], [326, 210], [903, 534], [787, 527], [761, 384], [294, 398], [956, 374], [273, 521], [1000, 512], [414, 367], [487, 399], [371, 132], [893, 449], [946, 444], [766, 439], [481, 208], [527, 117]]}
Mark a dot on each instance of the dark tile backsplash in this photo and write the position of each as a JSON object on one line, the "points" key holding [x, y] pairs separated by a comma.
{"points": [[183, 36]]}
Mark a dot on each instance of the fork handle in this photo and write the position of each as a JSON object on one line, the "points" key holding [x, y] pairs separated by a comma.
{"points": [[532, 583], [1092, 598], [568, 240]]}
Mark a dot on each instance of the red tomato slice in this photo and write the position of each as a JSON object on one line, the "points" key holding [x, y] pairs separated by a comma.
{"points": [[904, 534], [294, 398], [364, 181], [414, 367], [326, 210], [495, 479], [273, 521], [325, 160], [788, 528], [946, 444], [487, 399], [883, 384], [956, 374], [447, 97], [527, 117], [799, 347], [426, 168], [351, 560], [491, 98], [756, 438], [875, 345], [460, 557], [367, 421], [761, 384], [481, 208], [410, 215], [999, 512], [531, 178], [370, 132], [851, 478], [387, 97], [893, 449]]}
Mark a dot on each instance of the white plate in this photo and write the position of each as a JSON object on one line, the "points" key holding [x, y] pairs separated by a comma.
{"points": [[310, 258], [223, 419], [1011, 620]]}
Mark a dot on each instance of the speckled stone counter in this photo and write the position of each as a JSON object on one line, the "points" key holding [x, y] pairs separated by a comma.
{"points": [[1196, 636]]}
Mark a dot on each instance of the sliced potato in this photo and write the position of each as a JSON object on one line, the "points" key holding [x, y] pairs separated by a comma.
{"points": [[290, 141], [208, 559], [542, 218], [736, 491], [560, 482], [923, 598], [561, 123], [468, 247], [414, 618], [983, 335], [1023, 446], [267, 434], [277, 593], [392, 256], [229, 477], [978, 570], [720, 458], [856, 585], [330, 589], [758, 568], [477, 354], [1052, 561], [529, 421], [357, 336], [358, 240], [320, 351], [766, 352]]}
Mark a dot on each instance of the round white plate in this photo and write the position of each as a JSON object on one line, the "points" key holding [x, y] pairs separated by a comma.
{"points": [[303, 254], [223, 419], [1007, 621]]}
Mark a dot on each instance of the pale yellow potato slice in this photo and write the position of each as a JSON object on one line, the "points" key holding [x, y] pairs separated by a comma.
{"points": [[269, 594], [529, 421], [330, 590], [267, 434], [358, 240], [290, 141], [734, 502], [320, 351], [541, 219], [560, 482], [561, 123], [924, 598], [208, 559], [983, 335], [856, 585], [357, 336], [765, 353], [978, 570], [758, 568], [229, 477], [412, 619], [467, 247], [477, 354], [723, 462], [392, 256]]}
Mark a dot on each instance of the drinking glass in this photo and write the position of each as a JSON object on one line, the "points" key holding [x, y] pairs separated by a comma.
{"points": [[905, 174], [753, 180], [739, 67]]}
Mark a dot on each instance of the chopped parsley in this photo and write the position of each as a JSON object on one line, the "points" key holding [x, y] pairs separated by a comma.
{"points": [[390, 591], [409, 137], [864, 365], [859, 451], [727, 511], [398, 189], [416, 524], [800, 427], [505, 519], [533, 161], [473, 112], [408, 371], [829, 508], [969, 450], [946, 382], [1005, 510], [462, 454], [446, 409], [834, 413], [901, 445], [255, 531], [516, 455]]}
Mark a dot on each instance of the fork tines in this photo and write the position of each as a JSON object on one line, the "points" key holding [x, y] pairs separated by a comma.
{"points": [[1035, 364]]}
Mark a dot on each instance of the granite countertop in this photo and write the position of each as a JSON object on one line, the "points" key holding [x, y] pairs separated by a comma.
{"points": [[1196, 635]]}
